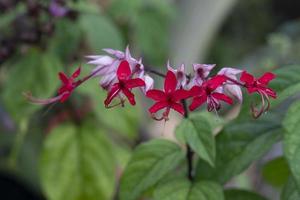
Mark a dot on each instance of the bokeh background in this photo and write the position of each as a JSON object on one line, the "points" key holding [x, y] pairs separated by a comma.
{"points": [[39, 38]]}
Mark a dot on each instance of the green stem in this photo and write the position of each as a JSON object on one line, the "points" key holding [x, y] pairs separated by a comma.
{"points": [[18, 142]]}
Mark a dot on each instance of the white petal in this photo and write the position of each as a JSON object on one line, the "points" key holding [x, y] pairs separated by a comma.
{"points": [[118, 54], [228, 71], [235, 91], [102, 60]]}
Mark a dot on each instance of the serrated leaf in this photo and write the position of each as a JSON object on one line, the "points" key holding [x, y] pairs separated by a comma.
{"points": [[290, 191], [149, 163], [291, 141], [182, 189], [276, 172], [77, 163], [36, 71], [236, 194], [239, 144], [100, 32], [197, 133]]}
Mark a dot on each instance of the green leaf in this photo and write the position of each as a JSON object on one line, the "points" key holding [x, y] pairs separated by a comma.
{"points": [[236, 194], [149, 163], [239, 144], [128, 117], [100, 32], [182, 189], [197, 133], [36, 71], [286, 84], [276, 172], [291, 142], [77, 163], [290, 191], [66, 39]]}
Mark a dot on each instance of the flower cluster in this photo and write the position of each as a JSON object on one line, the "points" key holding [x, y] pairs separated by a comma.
{"points": [[120, 73]]}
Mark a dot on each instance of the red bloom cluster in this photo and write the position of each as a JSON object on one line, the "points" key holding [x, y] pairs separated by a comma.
{"points": [[121, 73]]}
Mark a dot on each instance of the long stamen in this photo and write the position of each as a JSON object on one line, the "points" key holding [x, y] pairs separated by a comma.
{"points": [[34, 100], [120, 103], [257, 113]]}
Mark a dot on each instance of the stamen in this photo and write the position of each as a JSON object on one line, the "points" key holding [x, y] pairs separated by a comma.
{"points": [[115, 105], [38, 101], [264, 107]]}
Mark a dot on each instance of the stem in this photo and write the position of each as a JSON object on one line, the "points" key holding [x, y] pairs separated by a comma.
{"points": [[189, 151], [19, 139], [153, 71]]}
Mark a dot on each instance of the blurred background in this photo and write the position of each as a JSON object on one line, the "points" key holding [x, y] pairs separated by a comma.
{"points": [[55, 152]]}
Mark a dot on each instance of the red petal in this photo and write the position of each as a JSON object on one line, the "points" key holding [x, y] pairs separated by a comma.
{"points": [[65, 97], [137, 82], [76, 73], [63, 77], [222, 97], [158, 106], [247, 78], [198, 101], [170, 82], [129, 95], [124, 70], [271, 93], [178, 107], [196, 91], [156, 95], [112, 94], [266, 78], [216, 81], [180, 94]]}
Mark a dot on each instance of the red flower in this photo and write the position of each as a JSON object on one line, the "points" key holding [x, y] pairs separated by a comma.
{"points": [[260, 86], [124, 85], [206, 93], [68, 84], [169, 98]]}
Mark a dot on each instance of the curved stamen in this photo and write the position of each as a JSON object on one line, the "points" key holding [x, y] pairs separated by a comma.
{"points": [[120, 103], [264, 107], [35, 100]]}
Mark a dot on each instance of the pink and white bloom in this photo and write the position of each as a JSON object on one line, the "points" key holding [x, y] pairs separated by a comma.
{"points": [[180, 75], [230, 87], [201, 73], [107, 66]]}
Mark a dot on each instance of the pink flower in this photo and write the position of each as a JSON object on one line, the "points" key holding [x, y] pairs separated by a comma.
{"points": [[207, 93], [180, 75], [125, 84], [231, 87], [260, 86], [169, 98], [107, 66], [201, 73]]}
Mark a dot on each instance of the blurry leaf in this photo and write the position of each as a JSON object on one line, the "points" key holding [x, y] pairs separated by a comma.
{"points": [[66, 39], [183, 189], [236, 194], [291, 141], [239, 144], [36, 71], [198, 134], [77, 163], [290, 191], [276, 172], [286, 84], [100, 32], [123, 120], [149, 163], [151, 35]]}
